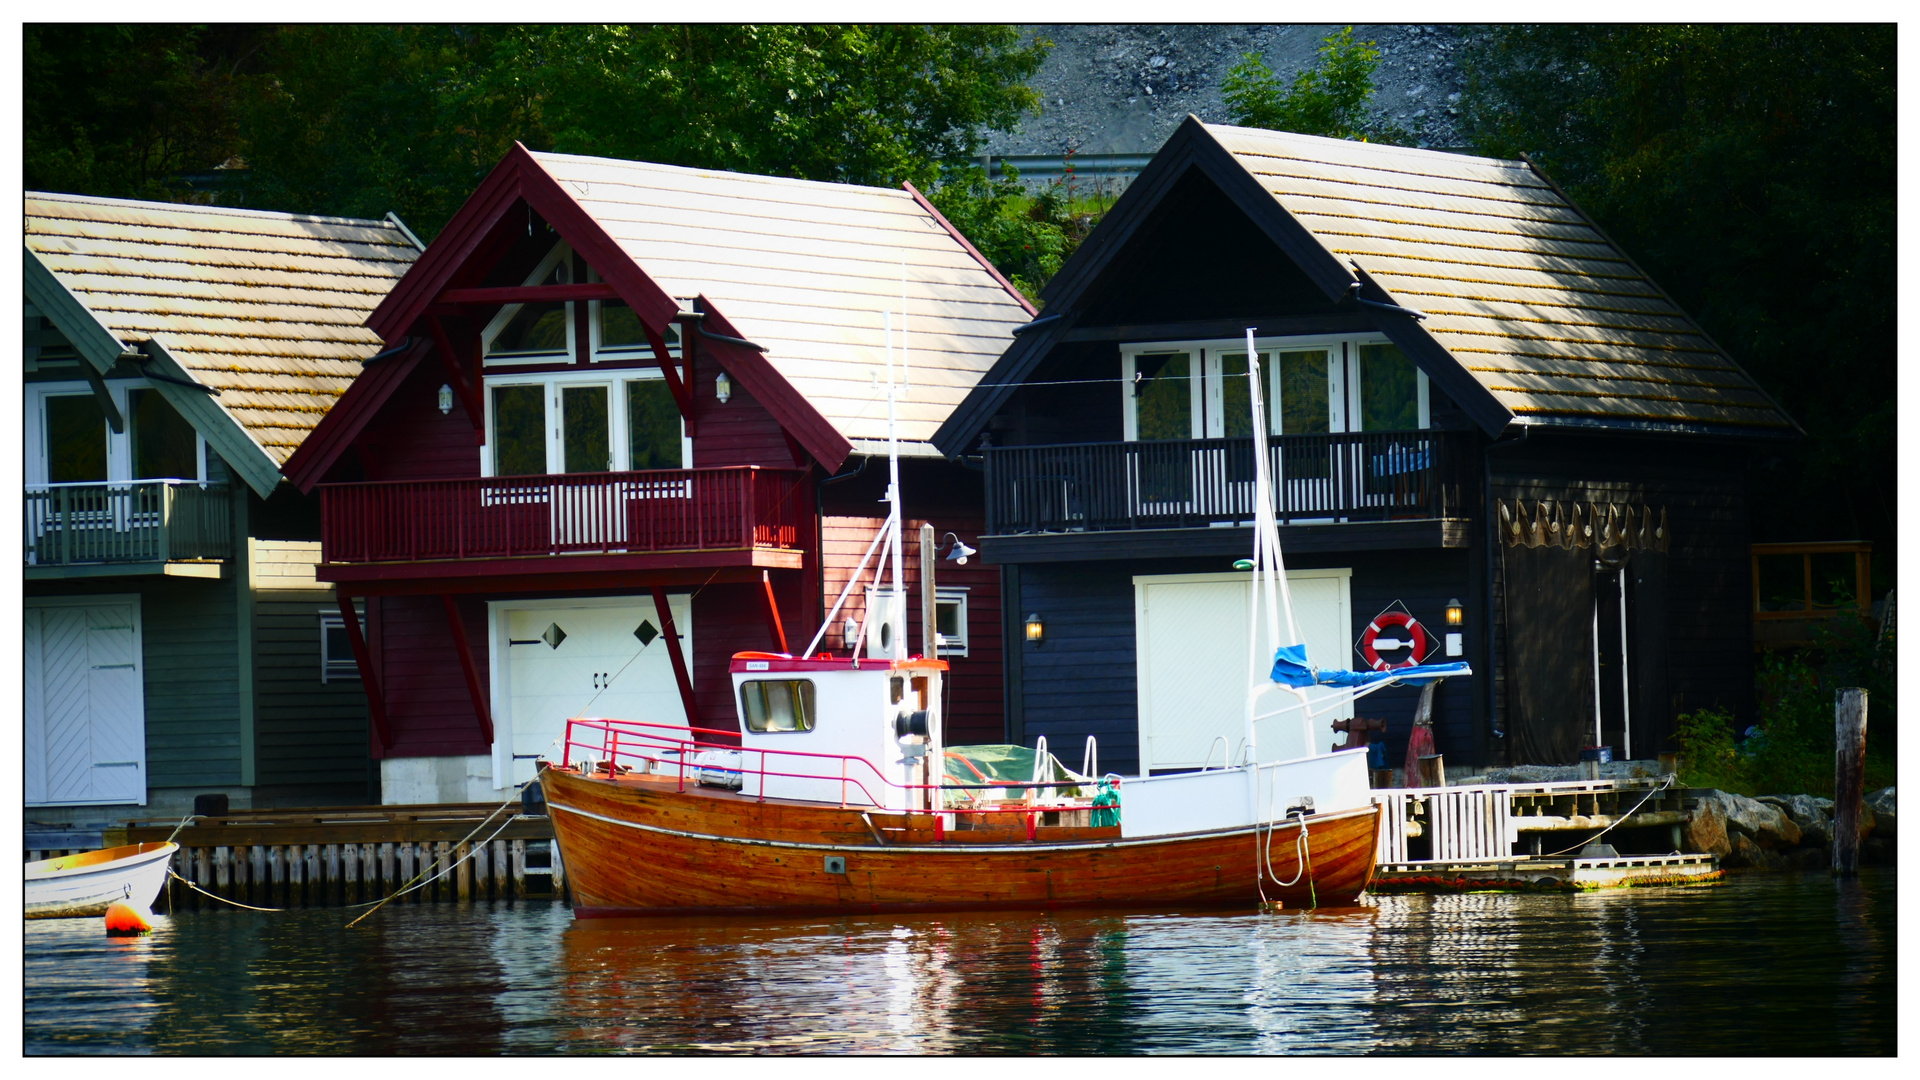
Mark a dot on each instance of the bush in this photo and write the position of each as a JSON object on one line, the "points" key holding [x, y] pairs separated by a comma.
{"points": [[1792, 752]]}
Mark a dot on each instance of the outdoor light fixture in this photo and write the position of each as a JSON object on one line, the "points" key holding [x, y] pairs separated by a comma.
{"points": [[722, 387], [1455, 640], [960, 552], [1036, 630], [1454, 612], [446, 399]]}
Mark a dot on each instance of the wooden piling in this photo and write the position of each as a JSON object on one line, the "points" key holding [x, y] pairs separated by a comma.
{"points": [[388, 882], [463, 873], [1849, 776], [559, 871], [482, 871], [442, 859], [500, 870], [518, 853], [222, 872]]}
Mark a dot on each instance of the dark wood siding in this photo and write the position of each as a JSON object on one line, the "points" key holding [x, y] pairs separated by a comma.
{"points": [[410, 440], [310, 741], [740, 432]]}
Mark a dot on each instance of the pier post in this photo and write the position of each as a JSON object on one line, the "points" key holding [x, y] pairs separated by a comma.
{"points": [[1849, 776], [482, 867], [350, 867], [363, 854], [500, 870], [387, 881], [405, 854], [442, 859], [559, 870], [518, 850]]}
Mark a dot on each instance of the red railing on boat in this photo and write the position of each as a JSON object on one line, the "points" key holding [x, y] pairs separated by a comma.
{"points": [[736, 508], [651, 746]]}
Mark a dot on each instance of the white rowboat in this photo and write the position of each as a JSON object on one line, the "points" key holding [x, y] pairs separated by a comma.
{"points": [[84, 884]]}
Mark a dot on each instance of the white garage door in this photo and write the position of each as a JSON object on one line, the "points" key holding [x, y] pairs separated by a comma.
{"points": [[587, 658], [1191, 635], [85, 737]]}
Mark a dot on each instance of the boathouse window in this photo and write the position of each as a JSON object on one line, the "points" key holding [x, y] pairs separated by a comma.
{"points": [[69, 442], [525, 331], [336, 651], [617, 333], [582, 421], [1198, 389], [950, 621], [777, 704]]}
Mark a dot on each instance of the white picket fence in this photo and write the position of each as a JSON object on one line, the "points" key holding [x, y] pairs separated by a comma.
{"points": [[1462, 822]]}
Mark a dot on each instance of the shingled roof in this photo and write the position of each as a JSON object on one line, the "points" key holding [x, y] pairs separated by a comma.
{"points": [[806, 268], [1516, 282], [266, 309]]}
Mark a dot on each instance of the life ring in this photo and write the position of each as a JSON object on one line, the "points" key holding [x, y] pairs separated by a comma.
{"points": [[1416, 632]]}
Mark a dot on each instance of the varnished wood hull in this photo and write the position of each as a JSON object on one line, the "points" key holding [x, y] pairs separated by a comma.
{"points": [[639, 846]]}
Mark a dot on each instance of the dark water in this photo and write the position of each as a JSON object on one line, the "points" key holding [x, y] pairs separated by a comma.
{"points": [[1761, 965]]}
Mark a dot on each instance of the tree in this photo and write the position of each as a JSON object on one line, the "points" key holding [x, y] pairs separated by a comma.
{"points": [[1328, 99], [1751, 170], [365, 119]]}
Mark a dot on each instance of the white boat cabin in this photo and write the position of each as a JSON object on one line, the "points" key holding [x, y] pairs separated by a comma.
{"points": [[869, 728]]}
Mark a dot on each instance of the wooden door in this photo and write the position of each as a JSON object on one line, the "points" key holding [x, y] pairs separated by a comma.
{"points": [[85, 710]]}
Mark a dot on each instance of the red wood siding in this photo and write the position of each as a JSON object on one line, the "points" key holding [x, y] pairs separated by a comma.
{"points": [[741, 432], [410, 440], [428, 706]]}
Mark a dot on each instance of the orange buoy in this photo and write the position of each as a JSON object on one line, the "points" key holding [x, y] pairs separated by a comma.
{"points": [[125, 920]]}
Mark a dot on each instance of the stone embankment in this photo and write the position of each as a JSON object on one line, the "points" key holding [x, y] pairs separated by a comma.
{"points": [[1785, 832]]}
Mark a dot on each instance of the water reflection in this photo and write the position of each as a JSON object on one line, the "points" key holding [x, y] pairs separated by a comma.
{"points": [[1777, 965]]}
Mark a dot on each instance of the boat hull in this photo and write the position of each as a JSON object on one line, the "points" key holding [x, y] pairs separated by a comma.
{"points": [[84, 885], [639, 846]]}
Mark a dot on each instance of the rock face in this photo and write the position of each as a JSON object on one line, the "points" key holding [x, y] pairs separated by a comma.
{"points": [[1767, 825], [1881, 804], [1707, 830], [1122, 89], [1815, 824]]}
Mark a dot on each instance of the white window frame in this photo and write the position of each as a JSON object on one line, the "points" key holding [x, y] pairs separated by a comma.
{"points": [[553, 383], [562, 254], [951, 646], [119, 444], [603, 353], [1343, 394], [331, 666]]}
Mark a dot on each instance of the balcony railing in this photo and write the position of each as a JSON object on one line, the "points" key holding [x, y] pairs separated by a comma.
{"points": [[137, 522], [1188, 483], [573, 513]]}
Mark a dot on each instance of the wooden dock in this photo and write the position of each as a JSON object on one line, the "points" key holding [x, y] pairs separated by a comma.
{"points": [[1527, 874], [1481, 837], [333, 856]]}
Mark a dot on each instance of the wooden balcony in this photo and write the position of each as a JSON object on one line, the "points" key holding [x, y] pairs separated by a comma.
{"points": [[171, 527], [566, 530], [1408, 481]]}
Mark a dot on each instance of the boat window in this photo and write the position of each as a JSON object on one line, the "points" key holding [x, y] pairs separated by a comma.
{"points": [[777, 704], [896, 689]]}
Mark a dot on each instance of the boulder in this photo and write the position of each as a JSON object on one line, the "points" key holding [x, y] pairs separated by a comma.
{"points": [[1809, 858], [1747, 854], [1815, 824], [1768, 825], [1881, 803], [1706, 829]]}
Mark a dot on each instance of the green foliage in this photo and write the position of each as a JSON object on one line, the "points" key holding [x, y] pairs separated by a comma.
{"points": [[123, 110], [1793, 750], [365, 119], [1328, 99], [1751, 170], [1027, 237]]}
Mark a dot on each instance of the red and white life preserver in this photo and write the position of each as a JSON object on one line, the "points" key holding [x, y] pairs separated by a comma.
{"points": [[1416, 634]]}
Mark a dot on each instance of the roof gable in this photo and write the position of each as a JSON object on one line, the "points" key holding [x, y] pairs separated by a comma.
{"points": [[1530, 314], [263, 309]]}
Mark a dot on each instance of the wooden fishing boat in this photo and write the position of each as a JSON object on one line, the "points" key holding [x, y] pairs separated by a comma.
{"points": [[84, 884], [647, 844]]}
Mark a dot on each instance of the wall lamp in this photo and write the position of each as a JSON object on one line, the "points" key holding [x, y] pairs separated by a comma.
{"points": [[446, 399], [1036, 630], [1456, 614], [960, 552], [722, 387]]}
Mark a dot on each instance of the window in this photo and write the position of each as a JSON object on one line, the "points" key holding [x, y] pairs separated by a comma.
{"points": [[1195, 390], [950, 621], [165, 446], [523, 332], [76, 440], [583, 422], [68, 440], [777, 704], [336, 651]]}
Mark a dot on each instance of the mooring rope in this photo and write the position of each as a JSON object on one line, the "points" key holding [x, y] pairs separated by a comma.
{"points": [[1664, 785]]}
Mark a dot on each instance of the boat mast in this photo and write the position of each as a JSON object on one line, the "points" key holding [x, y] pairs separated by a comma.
{"points": [[896, 604]]}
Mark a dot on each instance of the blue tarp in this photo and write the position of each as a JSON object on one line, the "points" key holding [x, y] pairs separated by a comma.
{"points": [[1291, 668]]}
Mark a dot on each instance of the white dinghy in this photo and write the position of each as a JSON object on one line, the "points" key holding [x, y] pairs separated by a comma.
{"points": [[84, 884]]}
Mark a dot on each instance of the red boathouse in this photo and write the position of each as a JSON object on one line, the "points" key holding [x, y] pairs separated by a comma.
{"points": [[621, 430]]}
